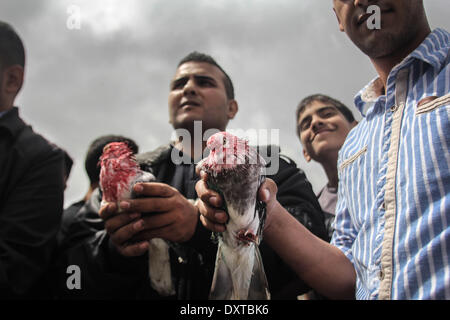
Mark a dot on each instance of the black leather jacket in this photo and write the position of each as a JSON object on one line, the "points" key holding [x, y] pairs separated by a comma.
{"points": [[106, 274], [31, 204]]}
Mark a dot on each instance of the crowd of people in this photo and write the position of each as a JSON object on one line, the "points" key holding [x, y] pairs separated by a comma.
{"points": [[377, 230]]}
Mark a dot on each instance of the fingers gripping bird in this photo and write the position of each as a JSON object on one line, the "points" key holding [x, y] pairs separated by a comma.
{"points": [[236, 171], [118, 174]]}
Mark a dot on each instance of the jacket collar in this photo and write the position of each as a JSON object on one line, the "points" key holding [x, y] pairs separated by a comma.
{"points": [[154, 157], [11, 122]]}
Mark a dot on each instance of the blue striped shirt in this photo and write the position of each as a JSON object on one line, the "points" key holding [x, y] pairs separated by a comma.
{"points": [[393, 210]]}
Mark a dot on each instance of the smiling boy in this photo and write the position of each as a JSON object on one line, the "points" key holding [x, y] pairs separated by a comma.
{"points": [[322, 126]]}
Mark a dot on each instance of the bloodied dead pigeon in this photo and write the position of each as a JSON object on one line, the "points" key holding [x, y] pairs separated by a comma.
{"points": [[118, 174], [236, 170]]}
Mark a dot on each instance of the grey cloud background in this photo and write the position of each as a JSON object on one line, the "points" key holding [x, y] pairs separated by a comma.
{"points": [[112, 75]]}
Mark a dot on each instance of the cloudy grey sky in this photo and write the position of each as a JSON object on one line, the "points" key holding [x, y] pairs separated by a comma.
{"points": [[112, 74]]}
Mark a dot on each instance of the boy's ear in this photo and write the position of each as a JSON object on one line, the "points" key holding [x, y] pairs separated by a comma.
{"points": [[13, 79], [306, 155], [341, 27]]}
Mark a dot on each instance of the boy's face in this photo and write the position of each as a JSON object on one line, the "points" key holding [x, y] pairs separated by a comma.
{"points": [[322, 129], [11, 80]]}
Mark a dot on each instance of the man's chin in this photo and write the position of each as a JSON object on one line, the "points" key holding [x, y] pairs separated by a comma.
{"points": [[189, 123], [186, 120], [379, 44]]}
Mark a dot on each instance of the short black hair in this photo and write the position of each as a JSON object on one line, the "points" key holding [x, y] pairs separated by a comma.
{"points": [[202, 57], [12, 51], [342, 108], [95, 151]]}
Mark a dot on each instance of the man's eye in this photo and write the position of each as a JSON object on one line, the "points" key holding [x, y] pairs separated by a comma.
{"points": [[205, 83], [178, 84], [304, 125], [327, 113]]}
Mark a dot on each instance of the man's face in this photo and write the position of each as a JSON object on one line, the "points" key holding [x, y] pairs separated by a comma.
{"points": [[322, 130], [399, 24], [11, 80], [197, 93]]}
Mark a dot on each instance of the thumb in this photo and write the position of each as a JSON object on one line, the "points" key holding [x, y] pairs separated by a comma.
{"points": [[267, 191]]}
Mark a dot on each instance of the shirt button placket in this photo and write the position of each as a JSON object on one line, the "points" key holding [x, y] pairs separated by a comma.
{"points": [[381, 275]]}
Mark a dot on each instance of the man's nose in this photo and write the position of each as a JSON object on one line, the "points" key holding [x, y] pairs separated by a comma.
{"points": [[316, 123], [190, 88]]}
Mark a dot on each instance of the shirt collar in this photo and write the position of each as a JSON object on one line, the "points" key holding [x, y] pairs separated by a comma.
{"points": [[433, 50], [367, 96], [3, 112], [11, 122]]}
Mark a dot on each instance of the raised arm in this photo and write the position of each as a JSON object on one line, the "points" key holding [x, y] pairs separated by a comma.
{"points": [[321, 265]]}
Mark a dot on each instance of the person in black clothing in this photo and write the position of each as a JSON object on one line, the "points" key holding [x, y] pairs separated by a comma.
{"points": [[112, 255], [31, 185]]}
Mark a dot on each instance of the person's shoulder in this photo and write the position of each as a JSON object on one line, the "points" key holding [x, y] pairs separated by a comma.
{"points": [[154, 157], [32, 145], [273, 152], [278, 164], [74, 207]]}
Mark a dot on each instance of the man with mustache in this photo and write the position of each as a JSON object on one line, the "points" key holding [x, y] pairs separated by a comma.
{"points": [[391, 238]]}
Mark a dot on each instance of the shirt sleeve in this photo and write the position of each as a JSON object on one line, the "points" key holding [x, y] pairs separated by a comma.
{"points": [[344, 233]]}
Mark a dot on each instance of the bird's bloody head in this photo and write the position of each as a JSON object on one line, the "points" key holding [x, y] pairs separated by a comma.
{"points": [[118, 169], [227, 152]]}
